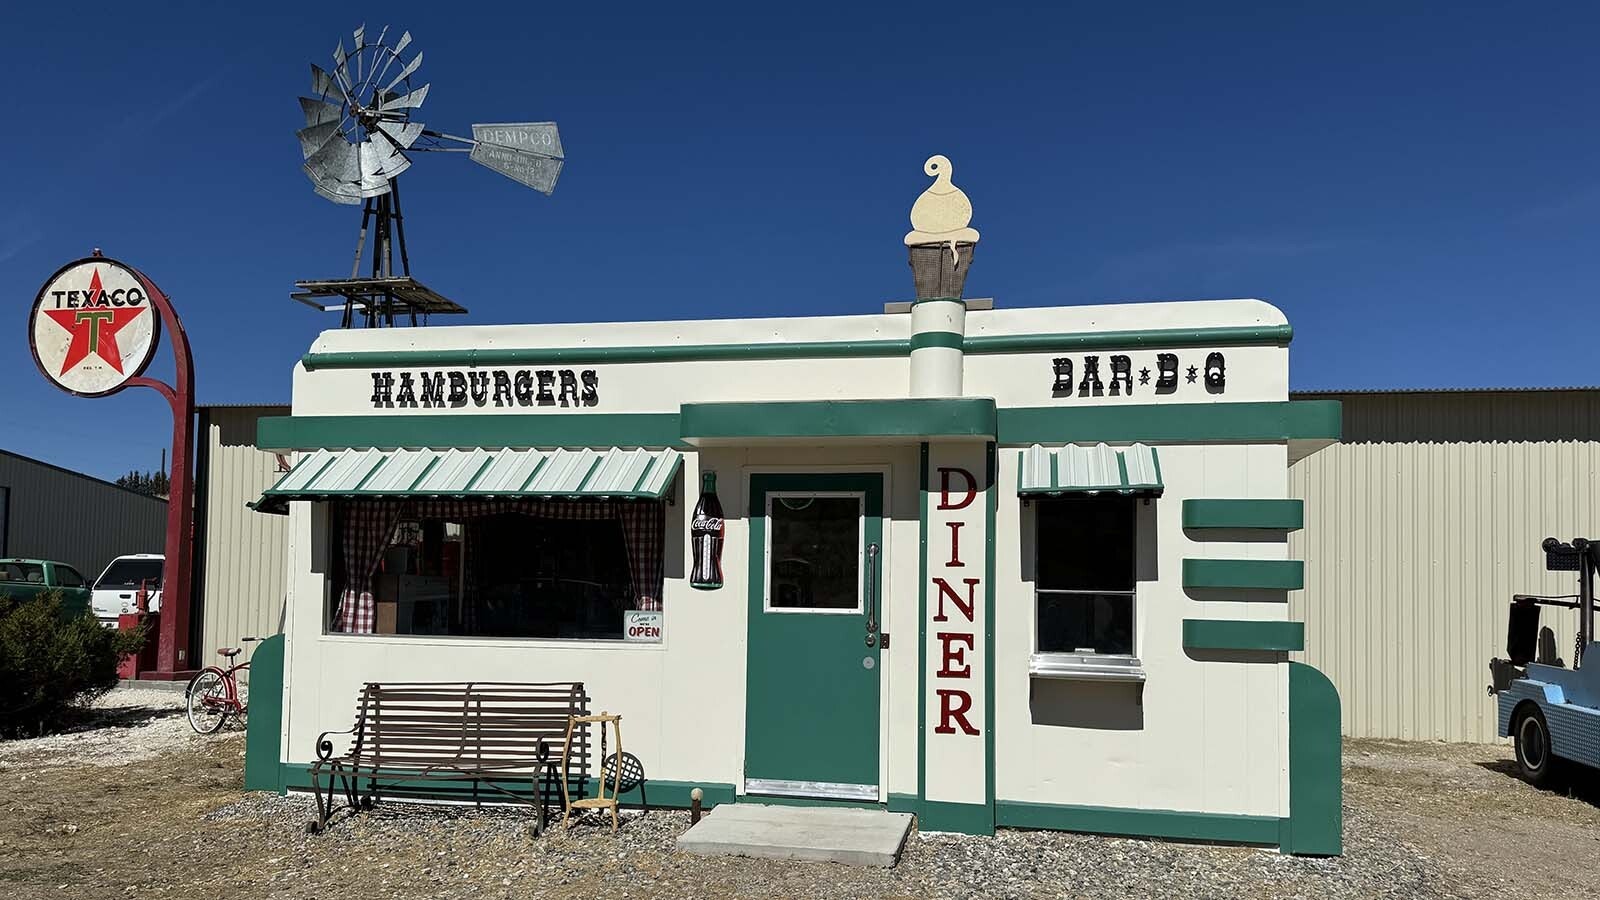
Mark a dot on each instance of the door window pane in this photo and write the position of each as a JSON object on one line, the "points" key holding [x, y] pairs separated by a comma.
{"points": [[816, 552], [68, 576]]}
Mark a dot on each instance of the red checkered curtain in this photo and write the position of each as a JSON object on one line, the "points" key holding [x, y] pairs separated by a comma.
{"points": [[644, 527], [365, 529]]}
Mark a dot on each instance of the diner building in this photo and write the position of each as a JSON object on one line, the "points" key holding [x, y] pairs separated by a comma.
{"points": [[995, 567]]}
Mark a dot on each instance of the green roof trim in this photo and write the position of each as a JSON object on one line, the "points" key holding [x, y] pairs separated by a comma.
{"points": [[1228, 634], [281, 433], [1134, 339], [1268, 515], [1260, 574], [1138, 339], [916, 418], [1246, 422]]}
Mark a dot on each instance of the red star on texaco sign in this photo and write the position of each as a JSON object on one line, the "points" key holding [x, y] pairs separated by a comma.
{"points": [[94, 328]]}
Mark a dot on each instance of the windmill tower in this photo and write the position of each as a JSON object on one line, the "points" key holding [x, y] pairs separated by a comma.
{"points": [[356, 142]]}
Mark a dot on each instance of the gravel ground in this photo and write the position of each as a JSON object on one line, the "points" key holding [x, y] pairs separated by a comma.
{"points": [[123, 726], [1421, 820]]}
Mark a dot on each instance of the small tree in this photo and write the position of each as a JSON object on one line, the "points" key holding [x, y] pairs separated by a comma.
{"points": [[52, 661], [152, 484]]}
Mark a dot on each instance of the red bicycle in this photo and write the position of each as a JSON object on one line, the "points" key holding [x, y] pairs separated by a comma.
{"points": [[213, 694]]}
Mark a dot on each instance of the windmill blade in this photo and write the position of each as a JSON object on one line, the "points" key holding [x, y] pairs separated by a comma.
{"points": [[404, 73], [312, 138], [412, 100], [360, 38], [322, 83], [336, 166], [320, 111], [379, 164], [402, 134], [405, 41], [348, 197]]}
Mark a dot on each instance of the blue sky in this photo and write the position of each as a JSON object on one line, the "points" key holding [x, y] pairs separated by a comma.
{"points": [[1418, 190]]}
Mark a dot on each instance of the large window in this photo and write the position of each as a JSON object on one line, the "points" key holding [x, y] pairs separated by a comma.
{"points": [[495, 568], [128, 573], [1084, 577]]}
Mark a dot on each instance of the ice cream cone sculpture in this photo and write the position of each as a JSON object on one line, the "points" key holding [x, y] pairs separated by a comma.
{"points": [[941, 237]]}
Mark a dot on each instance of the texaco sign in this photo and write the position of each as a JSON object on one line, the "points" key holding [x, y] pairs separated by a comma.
{"points": [[94, 327]]}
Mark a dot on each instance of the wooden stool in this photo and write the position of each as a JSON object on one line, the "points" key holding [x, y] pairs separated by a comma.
{"points": [[600, 801]]}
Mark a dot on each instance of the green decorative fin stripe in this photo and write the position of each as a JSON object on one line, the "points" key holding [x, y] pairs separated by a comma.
{"points": [[1246, 422], [263, 738], [950, 339], [1157, 823], [969, 417], [1260, 574], [1227, 634], [1269, 515], [1316, 819], [1228, 336], [445, 431]]}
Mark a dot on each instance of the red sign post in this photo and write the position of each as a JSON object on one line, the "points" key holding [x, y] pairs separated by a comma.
{"points": [[93, 331]]}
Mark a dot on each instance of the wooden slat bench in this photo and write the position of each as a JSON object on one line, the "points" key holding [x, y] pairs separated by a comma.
{"points": [[485, 733]]}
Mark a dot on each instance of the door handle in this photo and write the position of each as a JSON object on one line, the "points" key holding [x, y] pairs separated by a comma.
{"points": [[872, 595]]}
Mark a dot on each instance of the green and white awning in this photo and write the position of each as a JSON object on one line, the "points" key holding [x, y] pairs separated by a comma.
{"points": [[617, 473], [1089, 470]]}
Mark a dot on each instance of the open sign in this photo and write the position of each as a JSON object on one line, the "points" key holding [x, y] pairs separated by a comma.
{"points": [[643, 625]]}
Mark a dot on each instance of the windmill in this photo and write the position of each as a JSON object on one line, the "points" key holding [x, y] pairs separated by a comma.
{"points": [[356, 142]]}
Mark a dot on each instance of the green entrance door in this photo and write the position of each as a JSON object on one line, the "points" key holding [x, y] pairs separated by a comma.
{"points": [[816, 576]]}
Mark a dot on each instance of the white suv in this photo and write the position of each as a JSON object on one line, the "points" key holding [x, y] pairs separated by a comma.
{"points": [[116, 591]]}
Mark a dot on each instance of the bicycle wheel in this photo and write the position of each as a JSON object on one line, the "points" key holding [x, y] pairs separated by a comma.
{"points": [[207, 702]]}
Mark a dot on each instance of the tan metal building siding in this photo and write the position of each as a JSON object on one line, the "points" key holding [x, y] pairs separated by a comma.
{"points": [[1420, 526], [54, 513], [244, 553]]}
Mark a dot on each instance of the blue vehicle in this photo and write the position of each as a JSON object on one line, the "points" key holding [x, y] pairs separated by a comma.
{"points": [[1552, 712]]}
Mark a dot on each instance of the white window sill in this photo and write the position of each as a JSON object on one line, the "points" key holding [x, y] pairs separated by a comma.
{"points": [[1086, 667]]}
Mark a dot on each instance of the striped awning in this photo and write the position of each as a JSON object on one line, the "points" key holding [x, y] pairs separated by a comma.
{"points": [[325, 474], [1088, 470]]}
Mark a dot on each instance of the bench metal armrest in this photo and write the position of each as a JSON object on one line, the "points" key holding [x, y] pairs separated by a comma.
{"points": [[325, 746]]}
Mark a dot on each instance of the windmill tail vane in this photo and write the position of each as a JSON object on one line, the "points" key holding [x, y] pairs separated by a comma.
{"points": [[358, 132]]}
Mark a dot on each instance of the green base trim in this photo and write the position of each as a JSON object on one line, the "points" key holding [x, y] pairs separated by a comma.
{"points": [[1261, 574], [1141, 339], [1256, 421], [1155, 823], [263, 737], [972, 417], [948, 339], [961, 818], [908, 803], [1224, 634], [663, 794], [562, 428], [1316, 817], [1271, 515]]}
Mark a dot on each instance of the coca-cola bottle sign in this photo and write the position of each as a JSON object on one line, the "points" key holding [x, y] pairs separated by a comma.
{"points": [[705, 537]]}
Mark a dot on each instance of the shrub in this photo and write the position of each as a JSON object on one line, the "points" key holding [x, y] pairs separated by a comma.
{"points": [[52, 661]]}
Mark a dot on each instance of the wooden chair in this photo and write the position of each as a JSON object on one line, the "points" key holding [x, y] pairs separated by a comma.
{"points": [[601, 800]]}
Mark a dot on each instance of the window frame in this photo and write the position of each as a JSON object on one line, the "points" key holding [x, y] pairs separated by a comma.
{"points": [[1071, 663], [861, 555]]}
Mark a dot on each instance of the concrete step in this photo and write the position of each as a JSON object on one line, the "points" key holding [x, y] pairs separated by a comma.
{"points": [[859, 837]]}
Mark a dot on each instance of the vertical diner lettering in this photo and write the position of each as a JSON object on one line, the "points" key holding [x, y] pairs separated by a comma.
{"points": [[958, 488]]}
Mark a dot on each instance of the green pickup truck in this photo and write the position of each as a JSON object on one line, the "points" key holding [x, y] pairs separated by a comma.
{"points": [[23, 578]]}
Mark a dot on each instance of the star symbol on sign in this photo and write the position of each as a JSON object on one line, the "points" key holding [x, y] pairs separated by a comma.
{"points": [[1194, 372], [94, 329], [1144, 375]]}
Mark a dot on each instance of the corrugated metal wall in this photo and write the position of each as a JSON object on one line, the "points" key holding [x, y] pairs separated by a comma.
{"points": [[1420, 526], [85, 522], [244, 552]]}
